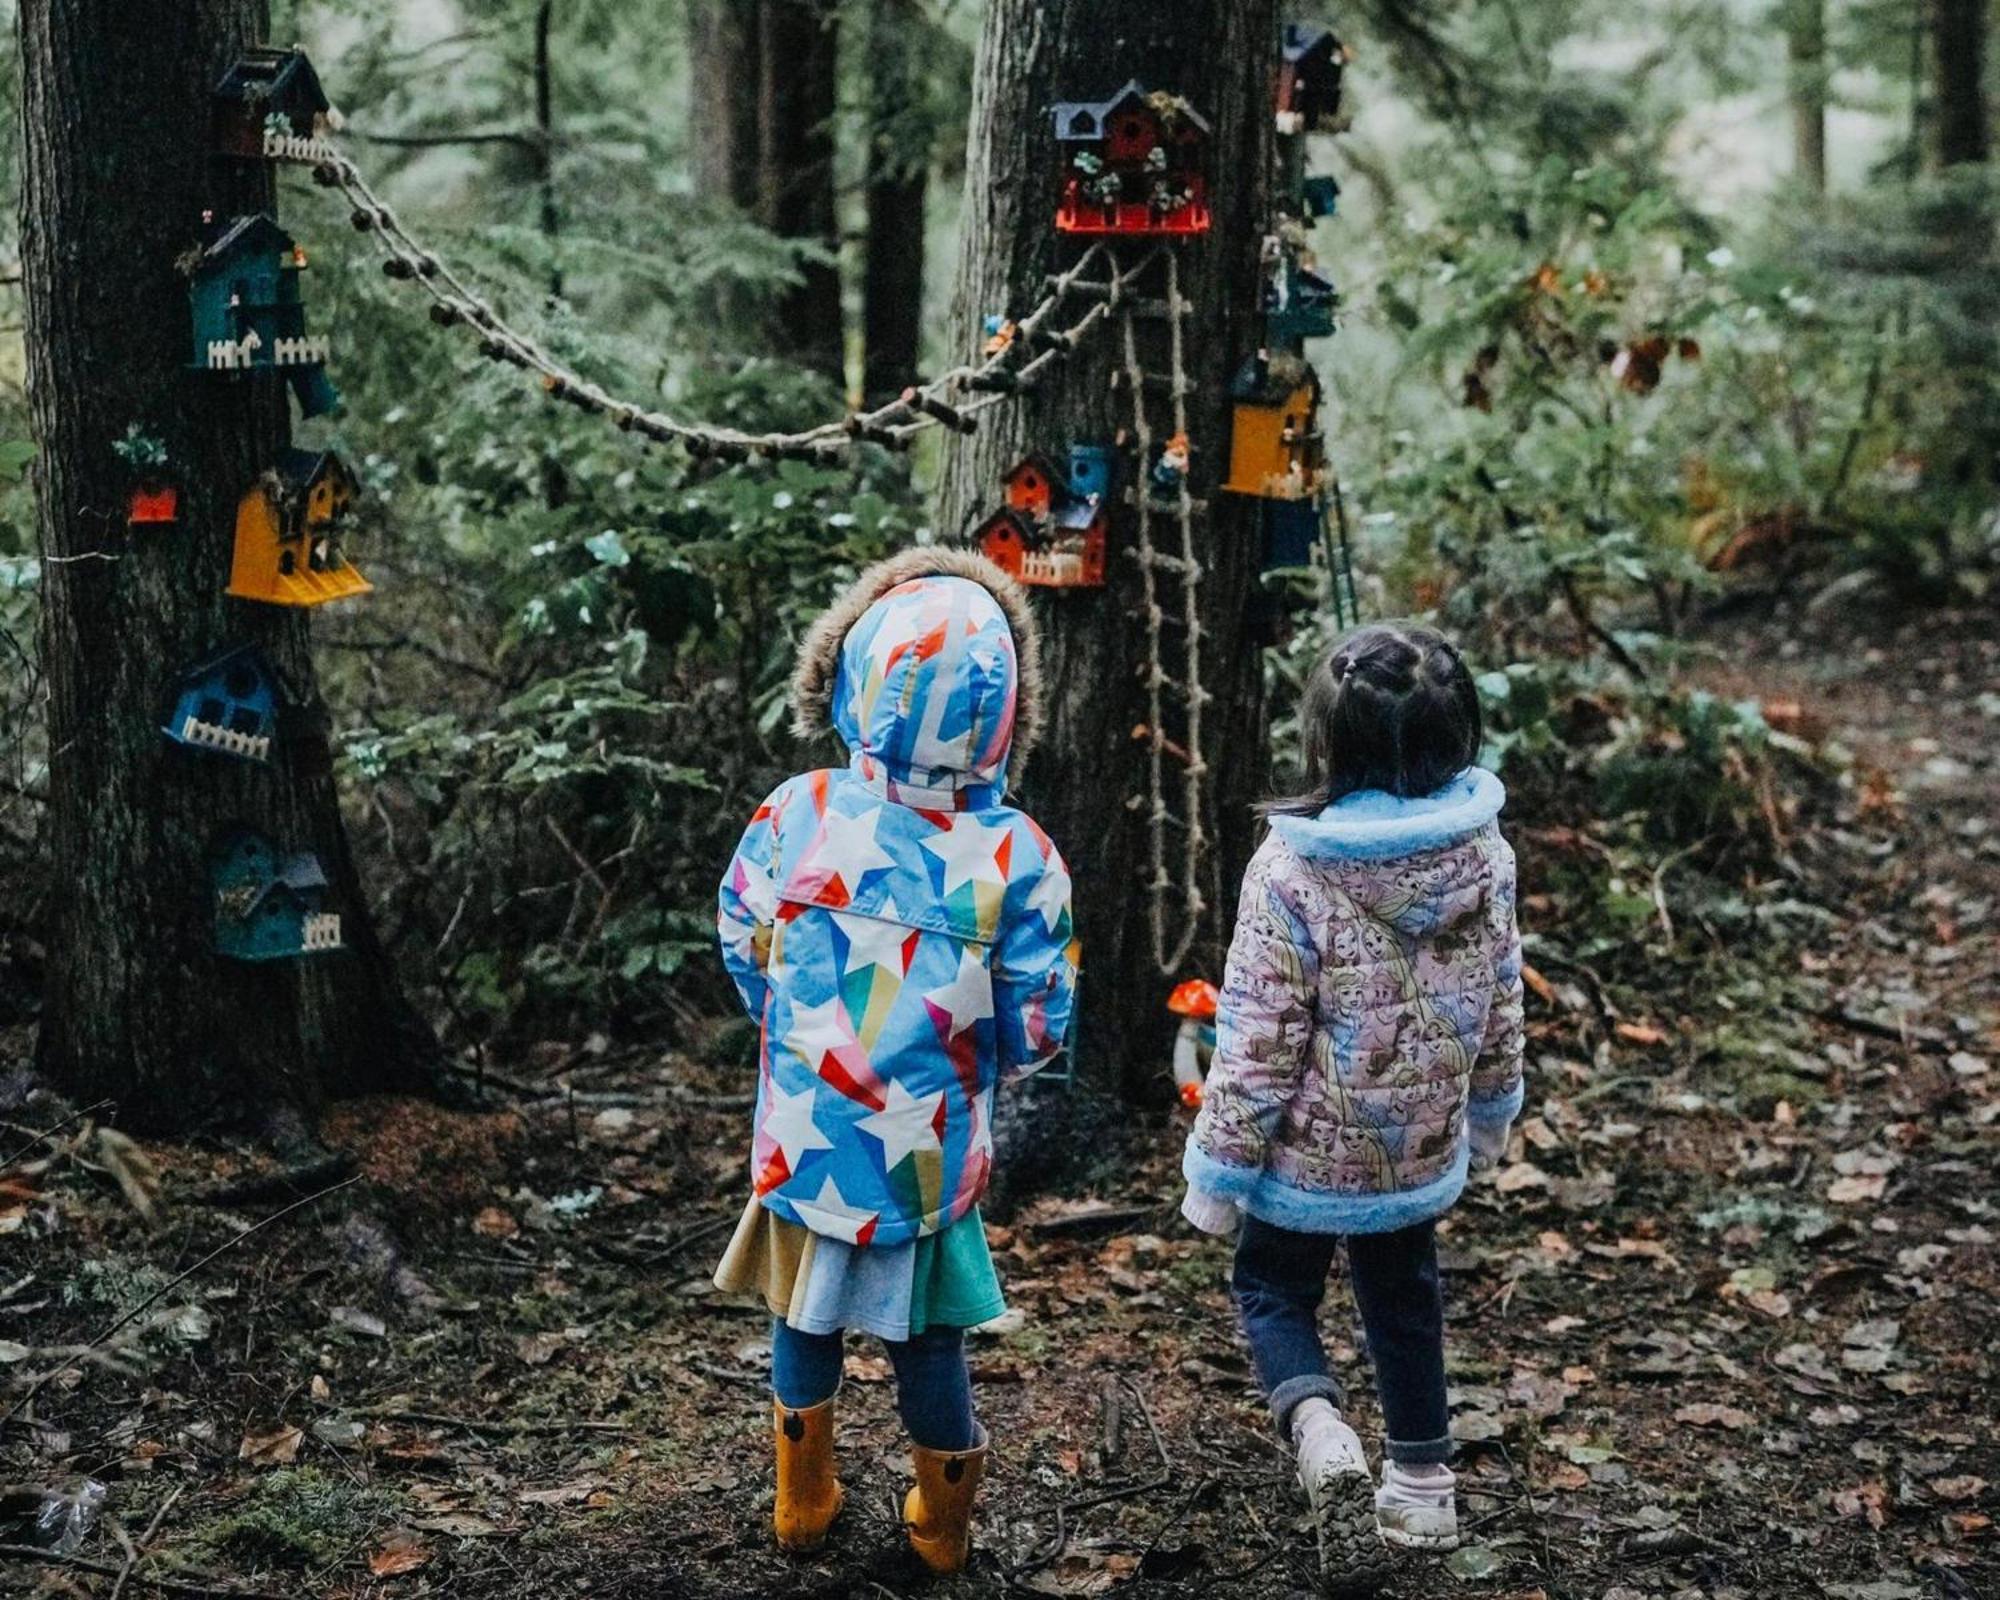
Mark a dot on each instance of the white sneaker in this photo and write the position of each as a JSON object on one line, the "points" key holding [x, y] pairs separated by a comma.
{"points": [[1417, 1507], [1333, 1471]]}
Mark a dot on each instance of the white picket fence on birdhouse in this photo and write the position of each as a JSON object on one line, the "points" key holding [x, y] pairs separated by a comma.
{"points": [[252, 747], [309, 351], [231, 355], [1061, 567], [322, 930], [296, 147]]}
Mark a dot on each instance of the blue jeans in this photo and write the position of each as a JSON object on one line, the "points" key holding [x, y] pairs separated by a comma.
{"points": [[1279, 1280], [933, 1389]]}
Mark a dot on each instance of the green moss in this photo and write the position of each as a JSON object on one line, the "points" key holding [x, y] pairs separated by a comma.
{"points": [[299, 1517]]}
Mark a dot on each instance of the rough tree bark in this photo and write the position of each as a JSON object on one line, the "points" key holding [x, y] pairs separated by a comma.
{"points": [[116, 174], [1805, 39], [1958, 65], [796, 81], [1034, 52], [892, 285], [723, 51]]}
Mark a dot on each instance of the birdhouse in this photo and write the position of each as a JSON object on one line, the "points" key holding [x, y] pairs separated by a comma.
{"points": [[1195, 1002], [1311, 63], [248, 311], [154, 499], [1292, 530], [1093, 471], [269, 907], [1133, 164], [1046, 534], [1299, 302], [289, 529], [1319, 196], [228, 705], [1275, 450], [270, 106], [153, 504]]}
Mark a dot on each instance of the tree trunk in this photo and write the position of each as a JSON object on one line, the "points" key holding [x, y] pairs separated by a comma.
{"points": [[1958, 62], [545, 141], [1089, 788], [138, 1008], [724, 49], [796, 79], [1805, 37], [892, 286]]}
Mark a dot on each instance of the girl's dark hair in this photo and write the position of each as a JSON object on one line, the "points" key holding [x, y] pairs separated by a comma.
{"points": [[1392, 707]]}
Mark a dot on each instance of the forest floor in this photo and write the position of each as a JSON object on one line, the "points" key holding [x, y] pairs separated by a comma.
{"points": [[1723, 1327]]}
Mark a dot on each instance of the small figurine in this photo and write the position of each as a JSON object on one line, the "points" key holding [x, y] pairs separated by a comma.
{"points": [[1195, 1003], [999, 331], [1170, 468]]}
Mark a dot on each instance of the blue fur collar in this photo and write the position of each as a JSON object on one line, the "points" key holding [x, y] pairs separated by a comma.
{"points": [[1370, 825]]}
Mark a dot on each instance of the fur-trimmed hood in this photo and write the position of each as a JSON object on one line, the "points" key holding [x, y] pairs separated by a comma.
{"points": [[888, 622]]}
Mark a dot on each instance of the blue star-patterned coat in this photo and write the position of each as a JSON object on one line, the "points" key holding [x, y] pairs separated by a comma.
{"points": [[900, 933]]}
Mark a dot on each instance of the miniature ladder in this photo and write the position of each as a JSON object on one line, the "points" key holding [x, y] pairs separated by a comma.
{"points": [[1178, 843]]}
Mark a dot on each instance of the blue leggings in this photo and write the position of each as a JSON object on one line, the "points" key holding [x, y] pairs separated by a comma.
{"points": [[933, 1389]]}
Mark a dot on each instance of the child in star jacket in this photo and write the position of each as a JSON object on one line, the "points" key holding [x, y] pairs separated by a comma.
{"points": [[1368, 1051], [901, 935]]}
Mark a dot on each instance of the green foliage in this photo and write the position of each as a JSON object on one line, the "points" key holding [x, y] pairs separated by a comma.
{"points": [[296, 1517]]}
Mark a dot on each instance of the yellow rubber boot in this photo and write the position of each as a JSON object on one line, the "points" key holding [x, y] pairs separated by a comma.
{"points": [[938, 1511], [809, 1494]]}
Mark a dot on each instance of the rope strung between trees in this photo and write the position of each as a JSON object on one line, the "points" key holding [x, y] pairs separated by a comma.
{"points": [[952, 400], [1169, 950]]}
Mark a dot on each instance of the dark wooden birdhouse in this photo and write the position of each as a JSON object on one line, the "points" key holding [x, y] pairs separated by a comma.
{"points": [[1292, 532], [1311, 63], [1133, 164], [270, 106], [1275, 449], [1319, 196], [229, 705], [243, 289], [1300, 302], [269, 907], [290, 528]]}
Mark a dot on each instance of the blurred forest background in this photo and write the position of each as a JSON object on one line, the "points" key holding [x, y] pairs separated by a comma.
{"points": [[1656, 315]]}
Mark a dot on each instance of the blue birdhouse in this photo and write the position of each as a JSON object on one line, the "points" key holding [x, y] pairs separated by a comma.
{"points": [[1299, 303], [248, 312], [269, 907], [1320, 195], [228, 705], [1093, 470], [1291, 532]]}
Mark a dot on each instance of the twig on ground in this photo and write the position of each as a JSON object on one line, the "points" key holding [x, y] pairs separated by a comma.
{"points": [[146, 1538], [47, 1135], [175, 1282], [29, 1552], [494, 1426], [257, 1187], [1897, 1032]]}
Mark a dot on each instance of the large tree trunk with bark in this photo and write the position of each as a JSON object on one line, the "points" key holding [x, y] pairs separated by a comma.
{"points": [[796, 100], [138, 1008], [1958, 64], [892, 285], [723, 51], [1090, 787]]}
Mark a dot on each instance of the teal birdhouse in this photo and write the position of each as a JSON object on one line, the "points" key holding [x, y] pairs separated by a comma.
{"points": [[1292, 531], [249, 313], [228, 705], [1299, 302], [1320, 195], [269, 907]]}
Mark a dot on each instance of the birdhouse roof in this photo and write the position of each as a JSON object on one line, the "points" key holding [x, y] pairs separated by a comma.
{"points": [[302, 871], [257, 231], [302, 469], [1271, 380], [1079, 514], [1051, 473], [286, 76], [1303, 39], [1080, 120], [1007, 516]]}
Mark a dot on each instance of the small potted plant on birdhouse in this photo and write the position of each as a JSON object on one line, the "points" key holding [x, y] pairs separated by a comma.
{"points": [[269, 906], [228, 705], [1195, 1003], [290, 531], [154, 500]]}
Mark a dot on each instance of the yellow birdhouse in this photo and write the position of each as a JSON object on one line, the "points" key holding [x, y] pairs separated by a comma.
{"points": [[1275, 450], [288, 533]]}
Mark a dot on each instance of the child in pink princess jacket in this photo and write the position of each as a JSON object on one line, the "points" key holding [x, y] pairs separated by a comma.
{"points": [[1368, 1051], [901, 935]]}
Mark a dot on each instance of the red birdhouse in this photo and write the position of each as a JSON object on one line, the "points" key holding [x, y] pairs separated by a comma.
{"points": [[1045, 534], [153, 503], [1133, 164]]}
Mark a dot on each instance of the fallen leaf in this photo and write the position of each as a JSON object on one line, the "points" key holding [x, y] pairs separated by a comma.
{"points": [[1853, 1191], [279, 1448], [1521, 1175], [1639, 1033], [1083, 1572], [355, 1320], [867, 1369], [399, 1553], [495, 1223], [1869, 1500], [11, 1352], [1966, 1487], [563, 1494], [539, 1349], [459, 1525], [1709, 1414], [1471, 1562]]}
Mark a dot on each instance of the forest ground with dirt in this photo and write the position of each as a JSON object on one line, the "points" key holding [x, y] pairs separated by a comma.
{"points": [[1723, 1326]]}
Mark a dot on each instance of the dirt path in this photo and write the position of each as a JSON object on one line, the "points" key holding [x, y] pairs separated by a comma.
{"points": [[1725, 1328]]}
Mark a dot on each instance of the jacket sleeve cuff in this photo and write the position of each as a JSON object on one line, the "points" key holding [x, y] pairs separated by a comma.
{"points": [[1223, 1180], [1490, 1110], [1210, 1213]]}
